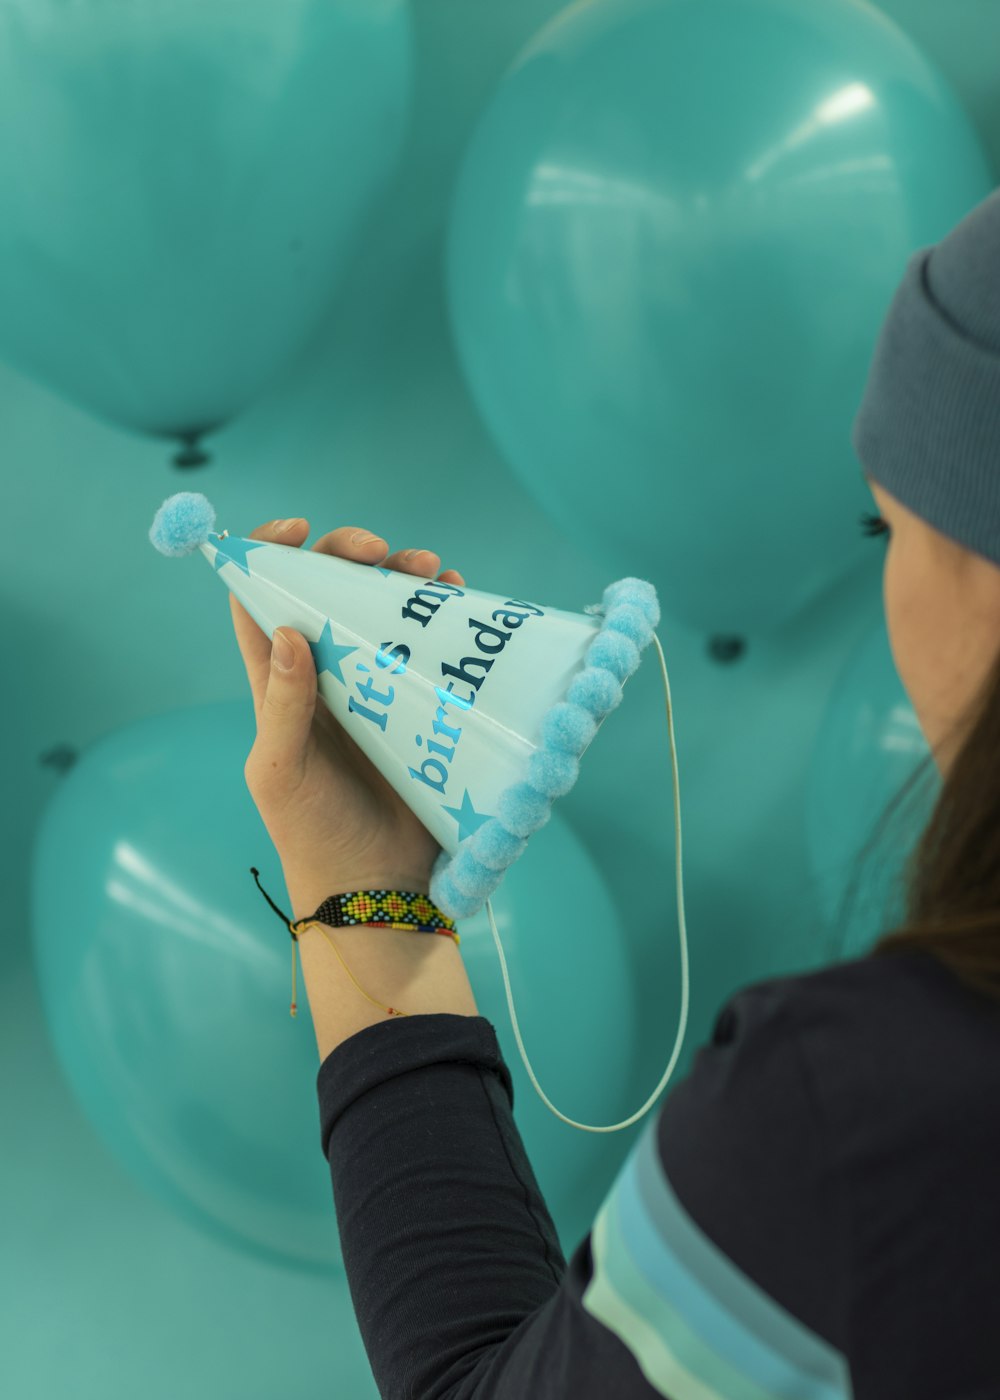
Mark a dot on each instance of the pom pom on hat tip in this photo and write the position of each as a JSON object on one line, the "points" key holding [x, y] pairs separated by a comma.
{"points": [[182, 524]]}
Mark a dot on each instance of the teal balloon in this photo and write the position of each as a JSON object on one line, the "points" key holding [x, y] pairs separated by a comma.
{"points": [[868, 746], [675, 232], [185, 186], [962, 40], [165, 981]]}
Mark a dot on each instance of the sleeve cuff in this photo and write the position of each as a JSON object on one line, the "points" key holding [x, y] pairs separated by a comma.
{"points": [[398, 1045]]}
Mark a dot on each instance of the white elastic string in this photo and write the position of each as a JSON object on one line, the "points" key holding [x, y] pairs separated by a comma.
{"points": [[626, 1123]]}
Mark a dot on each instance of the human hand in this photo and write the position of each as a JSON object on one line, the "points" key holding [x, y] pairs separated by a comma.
{"points": [[335, 821]]}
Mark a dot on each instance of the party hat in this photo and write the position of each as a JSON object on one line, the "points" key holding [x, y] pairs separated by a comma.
{"points": [[476, 707]]}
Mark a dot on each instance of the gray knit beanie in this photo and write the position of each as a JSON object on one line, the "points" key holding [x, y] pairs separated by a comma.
{"points": [[928, 429]]}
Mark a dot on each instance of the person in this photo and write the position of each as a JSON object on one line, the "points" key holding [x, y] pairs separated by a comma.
{"points": [[812, 1212]]}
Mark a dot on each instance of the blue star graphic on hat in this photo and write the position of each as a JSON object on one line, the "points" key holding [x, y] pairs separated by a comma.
{"points": [[469, 820], [328, 655], [233, 550]]}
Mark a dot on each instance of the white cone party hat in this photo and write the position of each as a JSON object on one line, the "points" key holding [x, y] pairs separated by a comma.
{"points": [[476, 707]]}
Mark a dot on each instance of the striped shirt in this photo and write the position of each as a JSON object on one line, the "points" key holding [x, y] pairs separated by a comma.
{"points": [[812, 1212]]}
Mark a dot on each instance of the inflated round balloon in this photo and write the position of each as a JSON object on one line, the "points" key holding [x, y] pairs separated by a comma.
{"points": [[962, 41], [675, 233], [184, 188], [166, 982], [868, 745]]}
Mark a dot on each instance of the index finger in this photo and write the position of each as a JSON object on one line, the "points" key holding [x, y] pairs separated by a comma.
{"points": [[253, 642]]}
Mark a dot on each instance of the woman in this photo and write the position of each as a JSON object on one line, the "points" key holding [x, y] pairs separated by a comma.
{"points": [[814, 1210]]}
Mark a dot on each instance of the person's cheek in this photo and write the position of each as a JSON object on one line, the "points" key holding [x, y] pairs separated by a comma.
{"points": [[895, 617]]}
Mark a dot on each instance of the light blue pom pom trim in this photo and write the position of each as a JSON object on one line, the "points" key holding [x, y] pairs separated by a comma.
{"points": [[630, 612]]}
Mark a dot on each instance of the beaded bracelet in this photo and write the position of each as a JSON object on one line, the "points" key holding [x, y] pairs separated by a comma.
{"points": [[411, 911], [399, 908]]}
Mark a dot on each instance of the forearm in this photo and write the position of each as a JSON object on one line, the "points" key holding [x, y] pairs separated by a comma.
{"points": [[413, 972], [447, 1242]]}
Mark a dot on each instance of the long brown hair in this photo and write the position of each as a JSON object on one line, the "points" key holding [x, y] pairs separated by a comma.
{"points": [[950, 881]]}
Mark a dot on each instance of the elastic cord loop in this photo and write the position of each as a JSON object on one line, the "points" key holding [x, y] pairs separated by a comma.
{"points": [[640, 1112]]}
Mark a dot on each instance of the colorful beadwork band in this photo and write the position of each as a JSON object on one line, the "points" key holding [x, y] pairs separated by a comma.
{"points": [[398, 908]]}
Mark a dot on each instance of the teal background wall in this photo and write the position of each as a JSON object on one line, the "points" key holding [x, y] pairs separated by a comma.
{"points": [[105, 1290]]}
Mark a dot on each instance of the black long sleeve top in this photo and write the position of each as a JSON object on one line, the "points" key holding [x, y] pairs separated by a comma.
{"points": [[813, 1212]]}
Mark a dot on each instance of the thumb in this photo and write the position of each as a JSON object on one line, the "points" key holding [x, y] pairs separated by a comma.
{"points": [[285, 721]]}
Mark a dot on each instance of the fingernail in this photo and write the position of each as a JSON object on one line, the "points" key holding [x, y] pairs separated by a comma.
{"points": [[363, 537], [282, 653], [281, 526]]}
